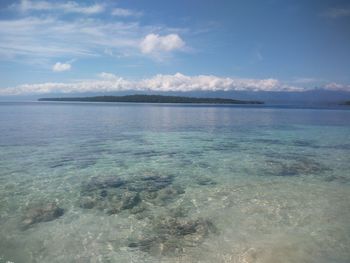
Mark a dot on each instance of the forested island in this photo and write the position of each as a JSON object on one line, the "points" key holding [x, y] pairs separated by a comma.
{"points": [[154, 99]]}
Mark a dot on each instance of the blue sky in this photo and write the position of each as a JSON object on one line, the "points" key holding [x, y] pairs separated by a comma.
{"points": [[104, 46]]}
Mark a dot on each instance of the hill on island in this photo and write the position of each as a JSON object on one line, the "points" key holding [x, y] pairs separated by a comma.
{"points": [[154, 99]]}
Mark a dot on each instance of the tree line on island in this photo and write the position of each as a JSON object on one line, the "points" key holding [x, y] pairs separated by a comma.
{"points": [[154, 99]]}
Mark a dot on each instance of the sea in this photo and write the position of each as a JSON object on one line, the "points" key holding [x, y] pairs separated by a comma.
{"points": [[126, 182]]}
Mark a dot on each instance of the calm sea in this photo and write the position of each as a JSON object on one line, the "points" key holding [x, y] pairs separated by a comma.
{"points": [[112, 182]]}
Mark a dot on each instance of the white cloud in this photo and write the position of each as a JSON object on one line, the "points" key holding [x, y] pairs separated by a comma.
{"points": [[154, 43], [108, 76], [109, 82], [122, 12], [337, 12], [46, 37], [59, 67], [337, 86], [180, 82], [67, 7], [50, 37]]}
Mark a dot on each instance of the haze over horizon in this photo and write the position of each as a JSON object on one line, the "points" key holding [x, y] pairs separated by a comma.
{"points": [[188, 47]]}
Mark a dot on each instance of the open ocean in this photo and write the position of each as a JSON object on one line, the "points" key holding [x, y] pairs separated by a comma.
{"points": [[114, 182]]}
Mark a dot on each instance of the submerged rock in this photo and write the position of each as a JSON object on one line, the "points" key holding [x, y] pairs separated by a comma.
{"points": [[42, 213], [149, 196], [338, 178], [103, 193], [140, 208], [168, 194], [299, 166], [87, 202], [304, 143], [183, 227], [179, 211], [137, 196], [98, 184], [143, 243], [114, 195], [155, 182], [171, 236], [205, 181], [304, 166], [127, 200], [130, 200]]}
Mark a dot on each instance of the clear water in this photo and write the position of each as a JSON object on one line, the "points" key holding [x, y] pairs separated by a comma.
{"points": [[274, 183]]}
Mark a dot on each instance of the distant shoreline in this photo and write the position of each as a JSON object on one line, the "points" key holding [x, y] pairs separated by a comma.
{"points": [[154, 99]]}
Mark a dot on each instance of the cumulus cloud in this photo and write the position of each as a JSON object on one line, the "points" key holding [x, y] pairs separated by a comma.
{"points": [[67, 7], [180, 82], [59, 67], [109, 82], [154, 43]]}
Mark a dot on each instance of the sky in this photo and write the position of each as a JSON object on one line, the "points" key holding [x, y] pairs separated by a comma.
{"points": [[178, 46]]}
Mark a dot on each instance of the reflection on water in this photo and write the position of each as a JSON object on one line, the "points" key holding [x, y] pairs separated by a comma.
{"points": [[84, 182]]}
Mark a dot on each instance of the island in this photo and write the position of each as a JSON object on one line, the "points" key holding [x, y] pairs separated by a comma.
{"points": [[347, 103], [154, 99]]}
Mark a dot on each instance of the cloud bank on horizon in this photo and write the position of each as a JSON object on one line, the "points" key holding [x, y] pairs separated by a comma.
{"points": [[178, 82], [147, 43]]}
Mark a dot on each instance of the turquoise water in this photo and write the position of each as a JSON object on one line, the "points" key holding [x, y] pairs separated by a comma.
{"points": [[85, 182]]}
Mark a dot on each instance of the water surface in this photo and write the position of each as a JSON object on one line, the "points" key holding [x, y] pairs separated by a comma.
{"points": [[213, 183]]}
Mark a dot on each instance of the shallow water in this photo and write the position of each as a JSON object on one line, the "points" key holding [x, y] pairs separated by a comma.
{"points": [[213, 183]]}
